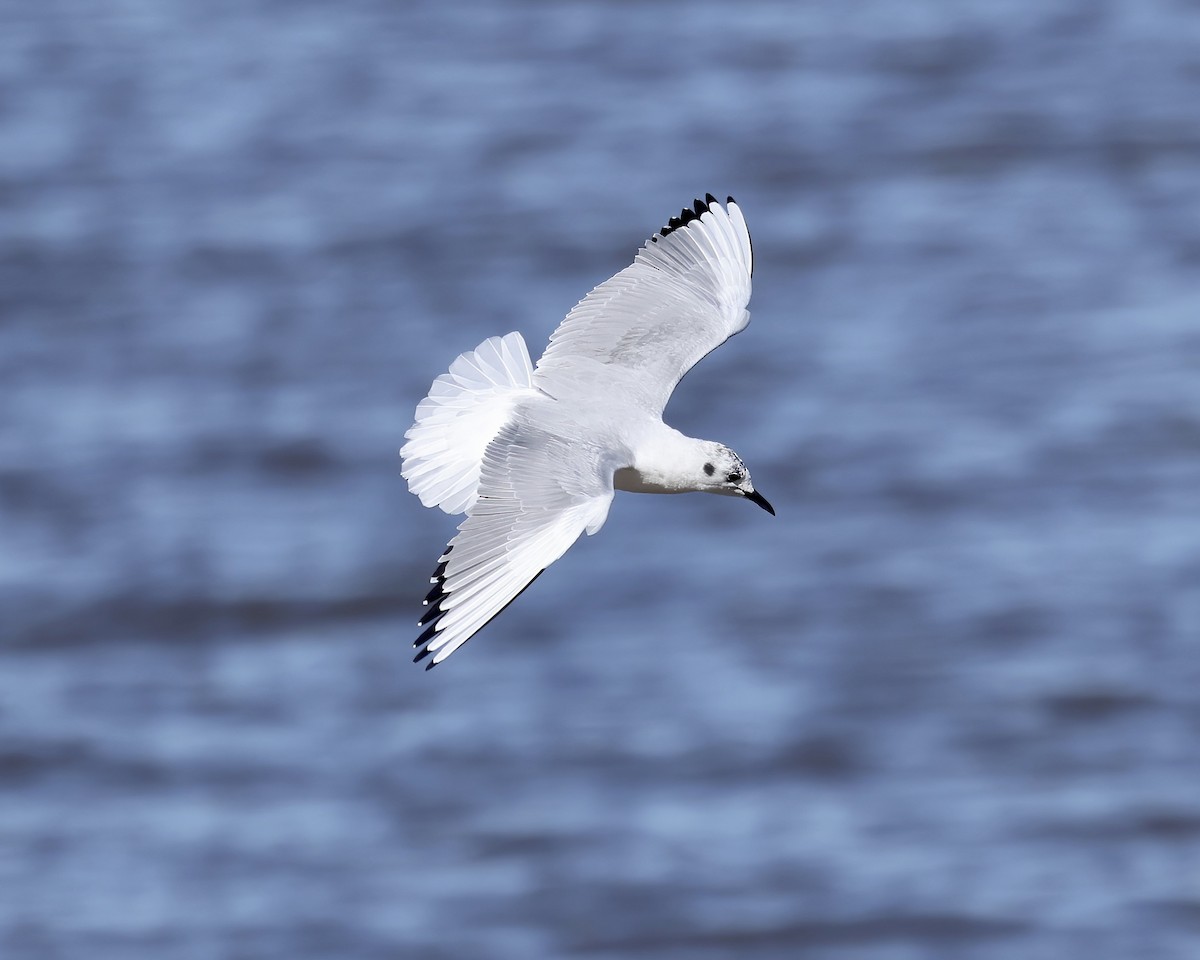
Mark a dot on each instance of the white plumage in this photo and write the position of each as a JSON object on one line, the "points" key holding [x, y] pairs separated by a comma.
{"points": [[533, 455]]}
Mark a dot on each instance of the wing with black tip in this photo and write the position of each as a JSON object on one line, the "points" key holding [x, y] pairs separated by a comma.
{"points": [[537, 494], [683, 296]]}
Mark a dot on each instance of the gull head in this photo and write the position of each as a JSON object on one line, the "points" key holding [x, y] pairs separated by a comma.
{"points": [[723, 472]]}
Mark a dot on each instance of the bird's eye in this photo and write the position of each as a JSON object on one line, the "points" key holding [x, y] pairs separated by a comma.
{"points": [[708, 469], [734, 477]]}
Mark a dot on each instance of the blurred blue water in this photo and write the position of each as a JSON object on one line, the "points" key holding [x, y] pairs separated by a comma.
{"points": [[945, 705]]}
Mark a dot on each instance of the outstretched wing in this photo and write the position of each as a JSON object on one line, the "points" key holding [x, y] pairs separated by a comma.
{"points": [[683, 296], [537, 494]]}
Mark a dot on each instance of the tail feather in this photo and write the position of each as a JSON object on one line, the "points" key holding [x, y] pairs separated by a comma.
{"points": [[464, 410]]}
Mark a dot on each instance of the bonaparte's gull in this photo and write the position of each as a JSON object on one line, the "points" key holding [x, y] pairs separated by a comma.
{"points": [[532, 455]]}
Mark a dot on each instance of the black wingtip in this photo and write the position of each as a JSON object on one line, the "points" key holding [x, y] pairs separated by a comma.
{"points": [[686, 216], [441, 567], [425, 637], [435, 595]]}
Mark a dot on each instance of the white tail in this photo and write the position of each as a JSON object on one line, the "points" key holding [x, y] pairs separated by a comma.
{"points": [[463, 412]]}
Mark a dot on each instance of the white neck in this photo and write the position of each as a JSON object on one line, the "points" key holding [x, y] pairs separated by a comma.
{"points": [[664, 461]]}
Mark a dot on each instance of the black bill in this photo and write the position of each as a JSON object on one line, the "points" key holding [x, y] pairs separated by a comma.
{"points": [[755, 497]]}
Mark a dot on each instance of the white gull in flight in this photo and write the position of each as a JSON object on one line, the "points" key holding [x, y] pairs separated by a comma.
{"points": [[532, 455]]}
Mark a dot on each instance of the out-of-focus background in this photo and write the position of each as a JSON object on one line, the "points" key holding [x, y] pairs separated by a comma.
{"points": [[946, 704]]}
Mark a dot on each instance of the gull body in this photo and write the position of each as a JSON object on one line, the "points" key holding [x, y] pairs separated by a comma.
{"points": [[532, 456]]}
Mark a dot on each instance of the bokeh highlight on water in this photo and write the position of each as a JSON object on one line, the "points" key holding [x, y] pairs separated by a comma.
{"points": [[944, 705]]}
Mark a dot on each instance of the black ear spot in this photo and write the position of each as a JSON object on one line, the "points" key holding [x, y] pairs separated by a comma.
{"points": [[708, 469]]}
